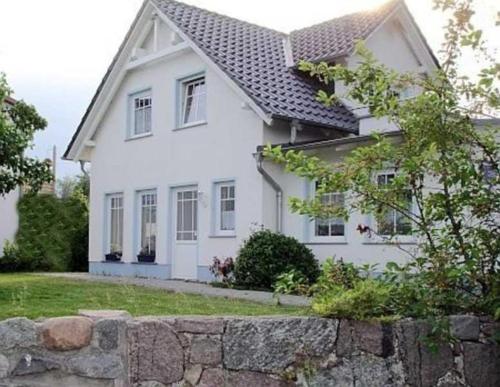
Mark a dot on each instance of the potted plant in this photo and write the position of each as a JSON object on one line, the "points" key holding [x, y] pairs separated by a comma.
{"points": [[114, 255], [146, 255]]}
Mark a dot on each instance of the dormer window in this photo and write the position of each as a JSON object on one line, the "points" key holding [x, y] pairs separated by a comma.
{"points": [[141, 105]]}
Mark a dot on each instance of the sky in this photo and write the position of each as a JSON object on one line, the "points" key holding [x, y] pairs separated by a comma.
{"points": [[55, 52]]}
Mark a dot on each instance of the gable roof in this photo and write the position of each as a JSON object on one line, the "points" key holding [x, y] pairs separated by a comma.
{"points": [[337, 37], [254, 57], [260, 61]]}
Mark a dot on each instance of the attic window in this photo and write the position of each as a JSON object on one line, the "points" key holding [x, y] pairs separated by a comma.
{"points": [[194, 96], [140, 113]]}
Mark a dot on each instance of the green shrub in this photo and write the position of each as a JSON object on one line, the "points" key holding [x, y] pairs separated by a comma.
{"points": [[368, 298], [291, 282], [266, 255], [52, 235], [336, 273]]}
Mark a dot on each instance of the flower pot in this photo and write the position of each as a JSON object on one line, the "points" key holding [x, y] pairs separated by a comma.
{"points": [[147, 258], [113, 257]]}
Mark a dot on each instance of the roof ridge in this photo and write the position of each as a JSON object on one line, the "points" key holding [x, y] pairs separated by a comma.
{"points": [[389, 4], [222, 15]]}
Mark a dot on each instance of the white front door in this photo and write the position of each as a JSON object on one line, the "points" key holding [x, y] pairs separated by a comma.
{"points": [[185, 232]]}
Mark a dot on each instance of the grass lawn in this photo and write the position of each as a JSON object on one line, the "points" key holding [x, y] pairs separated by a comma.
{"points": [[38, 296]]}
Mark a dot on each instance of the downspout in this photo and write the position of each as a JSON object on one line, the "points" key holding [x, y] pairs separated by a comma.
{"points": [[277, 189]]}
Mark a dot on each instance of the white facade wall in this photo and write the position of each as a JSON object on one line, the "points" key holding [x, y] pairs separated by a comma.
{"points": [[9, 220], [221, 149], [390, 48]]}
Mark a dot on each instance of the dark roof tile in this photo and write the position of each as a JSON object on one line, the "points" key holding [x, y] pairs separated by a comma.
{"points": [[254, 57], [337, 37]]}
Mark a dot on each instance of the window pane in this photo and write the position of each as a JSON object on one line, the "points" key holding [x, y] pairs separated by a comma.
{"points": [[226, 208], [330, 226], [148, 223], [187, 214], [194, 104], [116, 225], [188, 112], [386, 223], [142, 115], [187, 206], [179, 216], [393, 222], [147, 119], [322, 228], [139, 121], [195, 217], [337, 230]]}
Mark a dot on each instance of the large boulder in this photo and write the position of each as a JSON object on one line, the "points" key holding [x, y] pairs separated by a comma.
{"points": [[464, 327], [206, 350], [482, 364], [270, 345], [17, 333], [155, 352], [66, 333]]}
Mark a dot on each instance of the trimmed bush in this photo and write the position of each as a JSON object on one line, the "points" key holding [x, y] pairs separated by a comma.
{"points": [[52, 235], [266, 255]]}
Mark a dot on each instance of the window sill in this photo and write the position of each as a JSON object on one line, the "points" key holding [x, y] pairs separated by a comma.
{"points": [[215, 236], [139, 136], [143, 263], [330, 242], [104, 261], [401, 240], [191, 125]]}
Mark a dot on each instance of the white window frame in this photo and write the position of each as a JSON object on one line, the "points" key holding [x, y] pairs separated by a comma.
{"points": [[217, 221], [132, 111], [373, 223], [183, 96], [140, 209], [333, 239], [109, 201]]}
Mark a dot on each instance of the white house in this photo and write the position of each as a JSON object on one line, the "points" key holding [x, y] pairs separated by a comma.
{"points": [[9, 221], [173, 135]]}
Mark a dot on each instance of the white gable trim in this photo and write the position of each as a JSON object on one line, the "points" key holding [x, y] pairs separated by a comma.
{"points": [[157, 56], [140, 30]]}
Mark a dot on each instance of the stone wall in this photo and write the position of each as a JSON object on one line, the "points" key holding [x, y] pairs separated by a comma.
{"points": [[112, 349]]}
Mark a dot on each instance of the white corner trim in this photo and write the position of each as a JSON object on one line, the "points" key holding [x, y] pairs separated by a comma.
{"points": [[214, 67]]}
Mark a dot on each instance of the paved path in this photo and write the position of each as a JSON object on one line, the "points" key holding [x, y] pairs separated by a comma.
{"points": [[188, 287]]}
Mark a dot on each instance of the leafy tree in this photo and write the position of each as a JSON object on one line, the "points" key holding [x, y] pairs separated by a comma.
{"points": [[18, 124], [70, 186], [448, 166]]}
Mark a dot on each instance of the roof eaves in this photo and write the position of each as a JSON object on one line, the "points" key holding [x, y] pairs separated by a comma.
{"points": [[352, 130], [308, 145]]}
